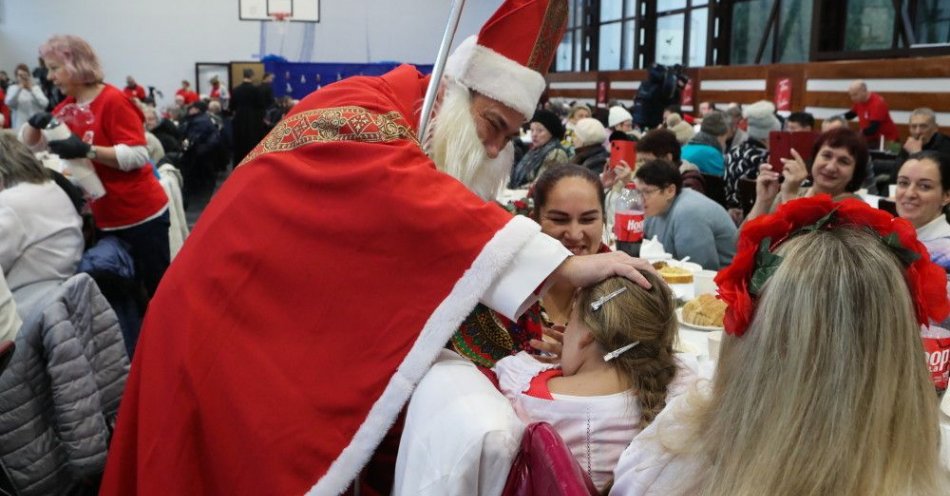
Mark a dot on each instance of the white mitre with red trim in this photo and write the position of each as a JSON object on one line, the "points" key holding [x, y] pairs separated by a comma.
{"points": [[509, 57]]}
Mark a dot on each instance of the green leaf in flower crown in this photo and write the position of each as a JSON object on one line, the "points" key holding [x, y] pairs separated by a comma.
{"points": [[819, 224], [905, 255], [766, 263]]}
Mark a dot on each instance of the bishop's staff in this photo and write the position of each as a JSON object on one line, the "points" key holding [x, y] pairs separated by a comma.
{"points": [[454, 15]]}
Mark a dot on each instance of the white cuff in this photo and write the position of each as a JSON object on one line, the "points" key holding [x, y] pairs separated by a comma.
{"points": [[131, 157], [513, 292]]}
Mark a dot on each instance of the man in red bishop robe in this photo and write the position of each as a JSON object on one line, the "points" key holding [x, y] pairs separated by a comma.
{"points": [[332, 267]]}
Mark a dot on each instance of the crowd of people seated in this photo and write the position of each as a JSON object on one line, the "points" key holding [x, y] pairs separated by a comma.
{"points": [[597, 363]]}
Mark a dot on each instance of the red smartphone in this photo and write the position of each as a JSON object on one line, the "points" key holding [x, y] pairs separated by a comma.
{"points": [[781, 144], [623, 150], [803, 142]]}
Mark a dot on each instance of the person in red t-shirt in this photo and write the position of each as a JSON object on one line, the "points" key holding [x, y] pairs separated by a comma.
{"points": [[874, 117], [133, 89], [4, 111], [186, 93], [108, 129]]}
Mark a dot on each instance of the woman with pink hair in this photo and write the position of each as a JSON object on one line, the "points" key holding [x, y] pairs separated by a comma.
{"points": [[107, 129]]}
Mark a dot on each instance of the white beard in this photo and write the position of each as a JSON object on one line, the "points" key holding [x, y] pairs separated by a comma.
{"points": [[454, 146]]}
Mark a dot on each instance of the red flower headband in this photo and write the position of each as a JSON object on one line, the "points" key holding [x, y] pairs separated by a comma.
{"points": [[741, 282]]}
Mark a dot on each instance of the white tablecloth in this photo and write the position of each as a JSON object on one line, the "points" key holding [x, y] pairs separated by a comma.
{"points": [[697, 342]]}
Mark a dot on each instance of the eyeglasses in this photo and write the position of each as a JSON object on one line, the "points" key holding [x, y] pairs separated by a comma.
{"points": [[649, 191]]}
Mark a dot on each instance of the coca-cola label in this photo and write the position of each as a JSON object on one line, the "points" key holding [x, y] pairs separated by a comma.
{"points": [[628, 226], [937, 353]]}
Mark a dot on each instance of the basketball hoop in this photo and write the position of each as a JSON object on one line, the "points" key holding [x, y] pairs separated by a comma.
{"points": [[281, 20]]}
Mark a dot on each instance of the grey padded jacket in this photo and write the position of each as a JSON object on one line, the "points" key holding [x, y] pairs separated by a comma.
{"points": [[61, 392]]}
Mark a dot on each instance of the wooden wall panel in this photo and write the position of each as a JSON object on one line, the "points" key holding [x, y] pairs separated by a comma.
{"points": [[637, 75], [572, 93], [622, 94], [723, 96], [895, 101], [733, 72], [799, 74], [884, 68], [571, 77]]}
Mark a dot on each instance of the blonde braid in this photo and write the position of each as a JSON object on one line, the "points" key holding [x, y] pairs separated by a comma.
{"points": [[637, 315]]}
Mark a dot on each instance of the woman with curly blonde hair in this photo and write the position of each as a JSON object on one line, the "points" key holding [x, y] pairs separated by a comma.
{"points": [[821, 386]]}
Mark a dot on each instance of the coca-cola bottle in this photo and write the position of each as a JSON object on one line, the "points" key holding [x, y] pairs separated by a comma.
{"points": [[628, 220]]}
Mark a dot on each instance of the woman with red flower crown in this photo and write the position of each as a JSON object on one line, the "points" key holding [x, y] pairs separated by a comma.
{"points": [[821, 386], [838, 169]]}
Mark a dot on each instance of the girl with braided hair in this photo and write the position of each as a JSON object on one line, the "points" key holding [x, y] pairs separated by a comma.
{"points": [[617, 370]]}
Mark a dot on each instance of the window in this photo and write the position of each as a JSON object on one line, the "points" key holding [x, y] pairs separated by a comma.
{"points": [[669, 39], [616, 35], [870, 25], [682, 32], [632, 34], [750, 23], [932, 22], [794, 30], [570, 56], [882, 28], [698, 34], [616, 43], [611, 43]]}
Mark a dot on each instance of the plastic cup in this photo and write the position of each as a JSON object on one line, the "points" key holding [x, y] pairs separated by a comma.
{"points": [[704, 282]]}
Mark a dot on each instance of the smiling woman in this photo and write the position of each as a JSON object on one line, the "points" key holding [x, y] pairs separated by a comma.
{"points": [[569, 205], [923, 191], [838, 169]]}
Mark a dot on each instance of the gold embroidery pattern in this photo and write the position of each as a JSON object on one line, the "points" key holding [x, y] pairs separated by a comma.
{"points": [[330, 125], [549, 36]]}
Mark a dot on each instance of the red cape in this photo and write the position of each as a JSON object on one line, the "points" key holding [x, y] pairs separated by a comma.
{"points": [[305, 285]]}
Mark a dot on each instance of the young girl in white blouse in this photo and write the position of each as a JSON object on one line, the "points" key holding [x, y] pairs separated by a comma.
{"points": [[617, 370]]}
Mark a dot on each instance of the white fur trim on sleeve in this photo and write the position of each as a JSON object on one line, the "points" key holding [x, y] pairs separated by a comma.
{"points": [[496, 76], [494, 259], [513, 292]]}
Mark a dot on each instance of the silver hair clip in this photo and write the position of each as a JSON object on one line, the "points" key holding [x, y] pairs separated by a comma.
{"points": [[599, 302], [619, 351]]}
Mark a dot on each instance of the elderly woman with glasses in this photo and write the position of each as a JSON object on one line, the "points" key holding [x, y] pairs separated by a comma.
{"points": [[687, 222]]}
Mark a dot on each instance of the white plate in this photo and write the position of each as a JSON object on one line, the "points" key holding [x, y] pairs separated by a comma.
{"points": [[658, 258], [679, 316]]}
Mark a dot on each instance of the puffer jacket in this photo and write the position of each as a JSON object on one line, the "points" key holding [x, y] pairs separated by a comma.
{"points": [[60, 394]]}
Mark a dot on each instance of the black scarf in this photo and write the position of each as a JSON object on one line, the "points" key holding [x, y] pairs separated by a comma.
{"points": [[527, 168]]}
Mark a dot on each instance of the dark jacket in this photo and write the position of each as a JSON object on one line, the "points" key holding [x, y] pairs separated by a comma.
{"points": [[938, 143], [593, 157], [169, 136]]}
